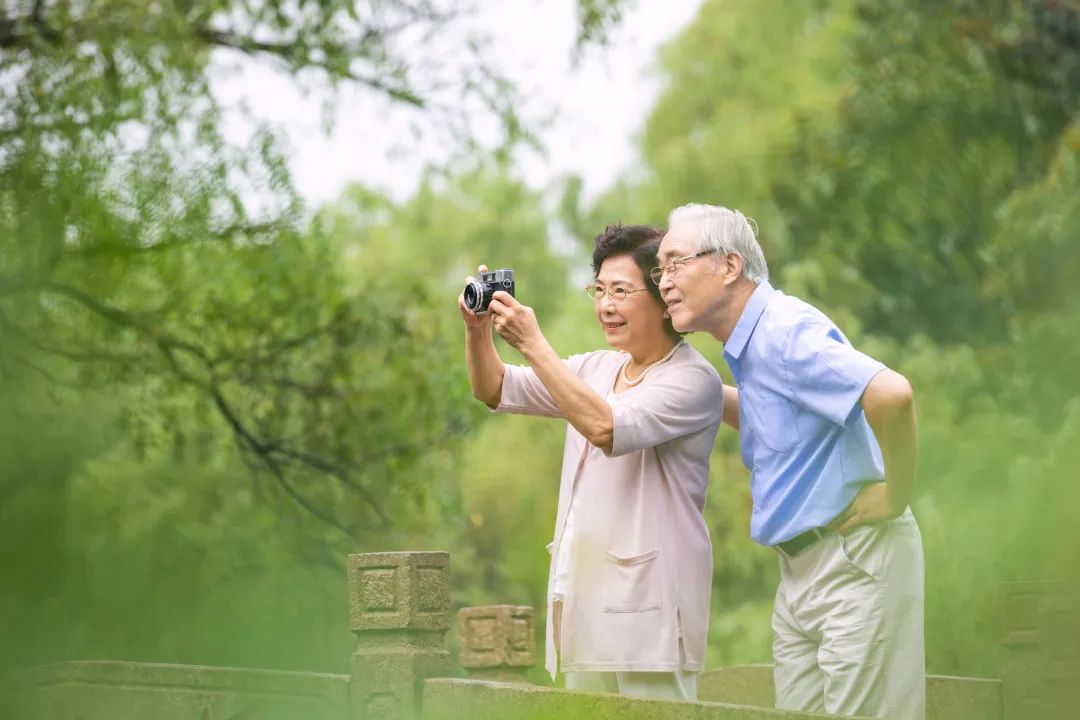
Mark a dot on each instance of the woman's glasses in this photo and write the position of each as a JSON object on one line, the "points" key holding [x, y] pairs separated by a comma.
{"points": [[618, 294]]}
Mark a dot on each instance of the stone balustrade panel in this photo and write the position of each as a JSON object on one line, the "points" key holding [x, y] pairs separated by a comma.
{"points": [[107, 690]]}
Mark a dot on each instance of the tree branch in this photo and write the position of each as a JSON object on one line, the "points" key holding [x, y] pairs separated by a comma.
{"points": [[290, 52], [228, 233], [299, 499], [130, 320], [337, 472], [12, 36], [269, 452], [9, 28], [75, 356]]}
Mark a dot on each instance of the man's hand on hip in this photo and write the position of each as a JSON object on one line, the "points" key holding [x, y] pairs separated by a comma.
{"points": [[874, 503]]}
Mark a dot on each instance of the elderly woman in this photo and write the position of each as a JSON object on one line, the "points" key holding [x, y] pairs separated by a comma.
{"points": [[631, 564]]}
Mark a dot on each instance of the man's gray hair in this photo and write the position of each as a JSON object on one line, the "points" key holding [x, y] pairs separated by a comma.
{"points": [[726, 231]]}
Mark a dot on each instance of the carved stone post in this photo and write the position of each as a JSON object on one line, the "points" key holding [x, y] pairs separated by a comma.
{"points": [[1041, 677], [497, 641], [399, 608]]}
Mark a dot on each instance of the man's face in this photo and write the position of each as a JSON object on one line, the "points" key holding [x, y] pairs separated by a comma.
{"points": [[694, 291]]}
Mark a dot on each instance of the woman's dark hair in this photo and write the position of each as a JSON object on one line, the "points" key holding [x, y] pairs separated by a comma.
{"points": [[641, 242]]}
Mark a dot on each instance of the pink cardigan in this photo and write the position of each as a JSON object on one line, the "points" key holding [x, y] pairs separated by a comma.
{"points": [[641, 564]]}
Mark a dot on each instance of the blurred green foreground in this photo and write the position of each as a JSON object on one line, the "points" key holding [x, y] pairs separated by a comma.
{"points": [[206, 403]]}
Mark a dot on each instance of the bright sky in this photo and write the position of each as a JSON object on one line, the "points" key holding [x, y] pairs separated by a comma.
{"points": [[596, 108]]}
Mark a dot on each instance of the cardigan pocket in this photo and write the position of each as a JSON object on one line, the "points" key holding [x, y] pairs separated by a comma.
{"points": [[632, 584]]}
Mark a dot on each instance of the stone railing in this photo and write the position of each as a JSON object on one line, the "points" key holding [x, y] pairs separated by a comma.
{"points": [[496, 642], [947, 698], [399, 608], [400, 611], [448, 699], [104, 690], [1041, 677]]}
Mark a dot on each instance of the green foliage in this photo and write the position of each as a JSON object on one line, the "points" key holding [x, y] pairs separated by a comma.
{"points": [[336, 354], [241, 393], [207, 402], [596, 18], [913, 171], [904, 137]]}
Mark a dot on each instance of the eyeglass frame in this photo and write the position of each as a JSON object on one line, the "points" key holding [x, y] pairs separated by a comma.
{"points": [[672, 268], [610, 293]]}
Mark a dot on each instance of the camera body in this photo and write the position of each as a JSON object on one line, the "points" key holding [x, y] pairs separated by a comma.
{"points": [[478, 293]]}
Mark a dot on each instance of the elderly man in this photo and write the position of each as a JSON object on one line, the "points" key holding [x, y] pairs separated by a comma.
{"points": [[829, 436]]}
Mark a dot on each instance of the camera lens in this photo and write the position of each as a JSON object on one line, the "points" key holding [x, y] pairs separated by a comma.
{"points": [[473, 296]]}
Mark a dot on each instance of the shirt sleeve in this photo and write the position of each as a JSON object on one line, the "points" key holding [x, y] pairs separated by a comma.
{"points": [[679, 402], [826, 375], [523, 393]]}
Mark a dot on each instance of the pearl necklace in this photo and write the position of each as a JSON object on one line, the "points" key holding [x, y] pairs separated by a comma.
{"points": [[650, 366]]}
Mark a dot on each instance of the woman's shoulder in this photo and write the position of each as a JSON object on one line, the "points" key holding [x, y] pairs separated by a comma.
{"points": [[595, 361], [692, 365]]}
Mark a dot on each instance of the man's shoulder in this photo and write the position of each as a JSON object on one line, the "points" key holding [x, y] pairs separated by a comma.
{"points": [[787, 311], [783, 314]]}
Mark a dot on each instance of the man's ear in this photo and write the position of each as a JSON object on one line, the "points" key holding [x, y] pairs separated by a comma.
{"points": [[733, 264]]}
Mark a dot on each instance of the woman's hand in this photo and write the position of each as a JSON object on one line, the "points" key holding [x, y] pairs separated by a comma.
{"points": [[471, 319], [515, 323]]}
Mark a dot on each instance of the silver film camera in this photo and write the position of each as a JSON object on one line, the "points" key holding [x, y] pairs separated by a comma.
{"points": [[478, 293]]}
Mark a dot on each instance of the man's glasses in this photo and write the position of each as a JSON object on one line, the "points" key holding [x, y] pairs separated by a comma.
{"points": [[618, 294], [672, 268]]}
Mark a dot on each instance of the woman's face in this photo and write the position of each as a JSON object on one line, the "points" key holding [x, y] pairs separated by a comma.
{"points": [[637, 321]]}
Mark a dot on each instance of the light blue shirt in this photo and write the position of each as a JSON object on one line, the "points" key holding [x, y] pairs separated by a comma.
{"points": [[802, 431]]}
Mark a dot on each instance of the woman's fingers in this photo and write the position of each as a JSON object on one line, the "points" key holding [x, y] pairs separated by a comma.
{"points": [[472, 278], [504, 298]]}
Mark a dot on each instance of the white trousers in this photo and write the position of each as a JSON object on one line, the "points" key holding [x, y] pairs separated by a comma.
{"points": [[848, 624], [678, 685]]}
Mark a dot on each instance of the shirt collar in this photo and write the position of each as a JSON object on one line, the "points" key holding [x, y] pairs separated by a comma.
{"points": [[755, 306]]}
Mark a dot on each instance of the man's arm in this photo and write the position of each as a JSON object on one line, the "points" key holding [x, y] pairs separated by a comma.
{"points": [[731, 406], [888, 403]]}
